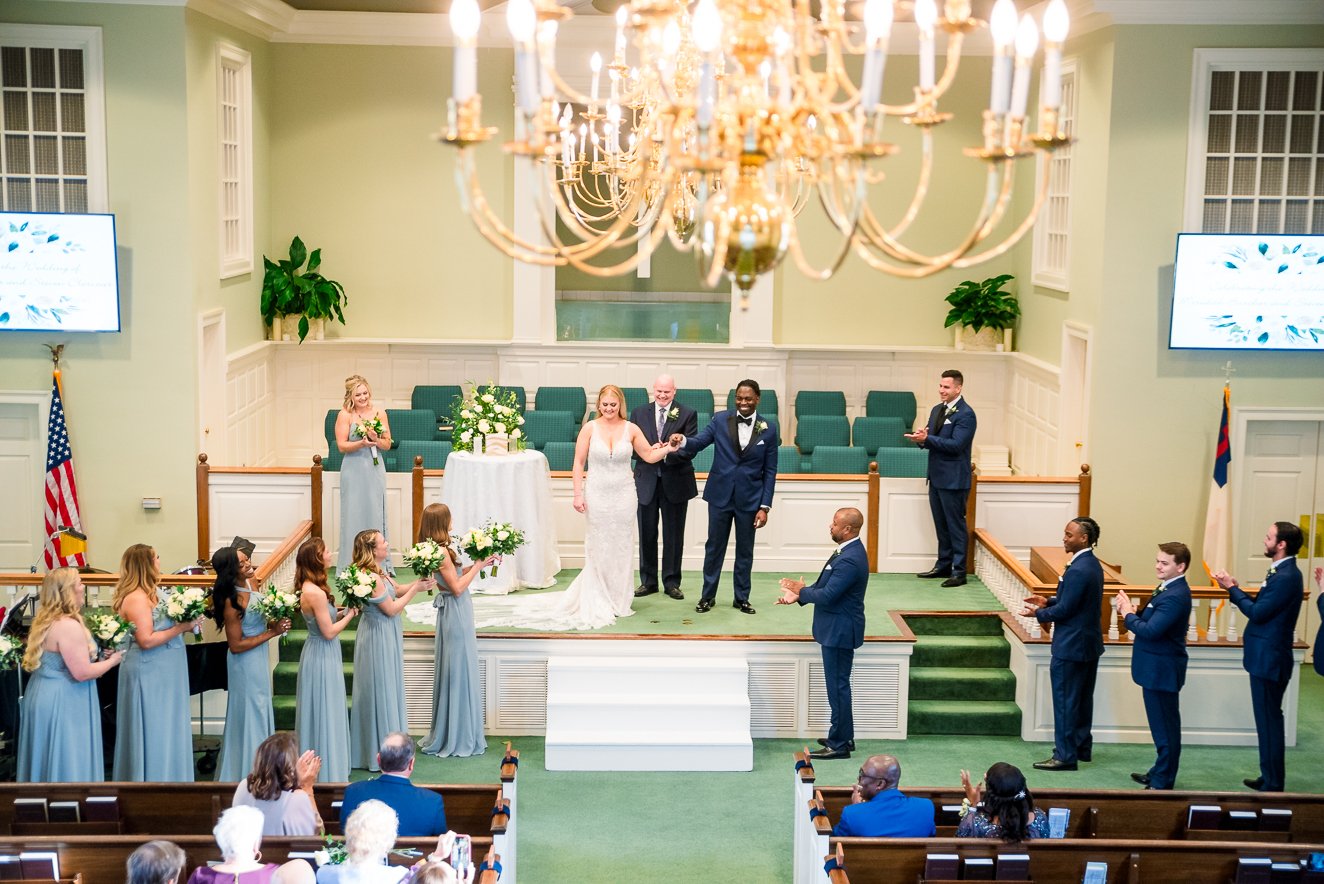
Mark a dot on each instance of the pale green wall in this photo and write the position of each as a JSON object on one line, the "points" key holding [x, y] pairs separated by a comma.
{"points": [[354, 171]]}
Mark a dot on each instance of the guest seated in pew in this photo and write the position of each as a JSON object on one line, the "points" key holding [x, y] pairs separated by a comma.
{"points": [[156, 862], [1003, 808], [436, 867], [294, 872], [239, 836], [370, 832], [280, 786], [422, 812], [879, 810]]}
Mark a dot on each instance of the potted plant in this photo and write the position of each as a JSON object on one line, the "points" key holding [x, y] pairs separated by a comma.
{"points": [[983, 313], [290, 290]]}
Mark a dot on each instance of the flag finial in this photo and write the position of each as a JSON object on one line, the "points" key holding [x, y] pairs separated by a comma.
{"points": [[1228, 371], [57, 350]]}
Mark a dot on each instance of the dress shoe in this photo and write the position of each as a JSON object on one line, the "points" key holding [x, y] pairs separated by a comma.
{"points": [[822, 741], [954, 580], [1257, 784], [1085, 756], [1054, 764], [826, 754], [743, 607], [644, 590], [936, 572], [1141, 778], [704, 606], [675, 593]]}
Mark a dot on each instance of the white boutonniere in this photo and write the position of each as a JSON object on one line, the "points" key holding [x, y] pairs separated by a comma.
{"points": [[673, 413], [760, 426]]}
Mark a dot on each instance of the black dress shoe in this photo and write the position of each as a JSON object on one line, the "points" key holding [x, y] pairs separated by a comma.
{"points": [[704, 606], [743, 607], [1085, 756], [675, 593], [1054, 764], [1257, 784], [826, 754], [822, 741], [954, 580], [1141, 778], [936, 572], [644, 590]]}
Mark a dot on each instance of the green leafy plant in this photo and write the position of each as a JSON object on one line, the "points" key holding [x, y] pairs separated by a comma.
{"points": [[291, 289], [980, 304]]}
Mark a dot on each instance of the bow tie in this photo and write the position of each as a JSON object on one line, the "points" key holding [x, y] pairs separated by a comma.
{"points": [[746, 421]]}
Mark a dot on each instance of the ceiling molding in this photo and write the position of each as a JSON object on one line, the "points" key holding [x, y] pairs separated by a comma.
{"points": [[267, 19], [1212, 12]]}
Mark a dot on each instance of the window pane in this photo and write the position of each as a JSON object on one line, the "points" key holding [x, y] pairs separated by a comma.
{"points": [[1317, 219], [71, 112], [1298, 217], [1248, 90], [1275, 133], [1298, 176], [16, 111], [1307, 86], [1220, 133], [1215, 176], [1276, 87], [18, 194], [71, 69], [1220, 90], [45, 155], [1303, 133], [75, 155], [43, 67], [1248, 133], [13, 66], [1243, 176], [75, 196], [46, 195], [43, 112], [16, 154], [1271, 176], [1241, 217], [1215, 216], [1270, 220]]}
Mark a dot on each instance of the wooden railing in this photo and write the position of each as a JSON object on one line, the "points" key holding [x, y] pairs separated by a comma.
{"points": [[204, 471]]}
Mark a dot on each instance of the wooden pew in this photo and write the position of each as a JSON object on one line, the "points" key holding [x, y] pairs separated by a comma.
{"points": [[888, 860]]}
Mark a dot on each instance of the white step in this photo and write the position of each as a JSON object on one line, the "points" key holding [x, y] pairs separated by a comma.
{"points": [[678, 751], [649, 714], [645, 675]]}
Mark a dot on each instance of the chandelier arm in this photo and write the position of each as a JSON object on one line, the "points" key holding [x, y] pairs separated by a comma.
{"points": [[570, 218], [616, 269], [921, 186], [1026, 223], [594, 242], [490, 225], [712, 273]]}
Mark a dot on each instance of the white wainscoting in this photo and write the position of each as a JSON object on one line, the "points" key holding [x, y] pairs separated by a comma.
{"points": [[1034, 417], [262, 507], [1022, 515], [251, 438]]}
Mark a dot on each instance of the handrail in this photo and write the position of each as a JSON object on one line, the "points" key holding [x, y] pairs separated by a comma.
{"points": [[287, 547], [203, 474]]}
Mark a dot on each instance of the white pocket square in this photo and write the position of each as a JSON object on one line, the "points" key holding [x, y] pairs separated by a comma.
{"points": [[760, 441], [828, 568], [947, 422]]}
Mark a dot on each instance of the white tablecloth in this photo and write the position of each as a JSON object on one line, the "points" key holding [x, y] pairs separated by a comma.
{"points": [[514, 488]]}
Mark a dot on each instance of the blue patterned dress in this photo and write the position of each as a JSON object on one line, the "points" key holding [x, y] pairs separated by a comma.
{"points": [[378, 704], [59, 733], [248, 716], [320, 717], [153, 731], [362, 496], [457, 696]]}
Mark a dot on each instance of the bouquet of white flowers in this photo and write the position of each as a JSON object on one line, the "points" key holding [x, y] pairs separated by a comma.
{"points": [[110, 631], [375, 425], [425, 557], [277, 604], [484, 411], [11, 651], [356, 585], [183, 604], [506, 538], [477, 545]]}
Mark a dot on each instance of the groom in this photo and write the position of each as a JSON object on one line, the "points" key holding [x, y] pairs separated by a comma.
{"points": [[739, 489]]}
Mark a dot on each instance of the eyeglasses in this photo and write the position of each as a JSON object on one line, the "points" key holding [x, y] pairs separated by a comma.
{"points": [[865, 776]]}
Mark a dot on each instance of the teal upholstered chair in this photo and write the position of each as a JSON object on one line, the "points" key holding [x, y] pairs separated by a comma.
{"points": [[412, 424], [814, 430], [840, 459], [571, 400], [767, 401], [434, 455], [789, 460], [830, 402], [560, 455], [703, 461], [634, 397], [888, 403], [872, 433], [908, 462], [541, 427], [439, 399], [700, 400]]}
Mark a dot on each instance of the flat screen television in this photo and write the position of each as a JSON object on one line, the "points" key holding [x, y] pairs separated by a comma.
{"points": [[1248, 291], [58, 273]]}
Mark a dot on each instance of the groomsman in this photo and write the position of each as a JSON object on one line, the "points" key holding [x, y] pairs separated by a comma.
{"points": [[949, 437], [1158, 658], [738, 491], [665, 488], [1267, 645]]}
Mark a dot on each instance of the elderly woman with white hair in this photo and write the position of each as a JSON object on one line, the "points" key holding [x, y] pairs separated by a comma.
{"points": [[238, 834], [369, 835]]}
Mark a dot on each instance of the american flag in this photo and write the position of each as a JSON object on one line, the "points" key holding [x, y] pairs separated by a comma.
{"points": [[61, 492]]}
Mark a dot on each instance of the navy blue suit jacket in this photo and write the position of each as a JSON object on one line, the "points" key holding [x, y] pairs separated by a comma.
{"points": [[422, 812], [838, 598], [889, 814], [1158, 654], [949, 446], [740, 480], [675, 470], [1272, 628], [1076, 609], [1319, 636]]}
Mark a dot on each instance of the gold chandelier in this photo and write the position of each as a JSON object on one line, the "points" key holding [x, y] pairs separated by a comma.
{"points": [[720, 122]]}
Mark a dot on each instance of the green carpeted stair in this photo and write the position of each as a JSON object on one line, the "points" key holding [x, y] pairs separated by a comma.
{"points": [[959, 681], [285, 677]]}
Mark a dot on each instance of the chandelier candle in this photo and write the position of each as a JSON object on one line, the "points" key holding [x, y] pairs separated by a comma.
{"points": [[1003, 26], [464, 17]]}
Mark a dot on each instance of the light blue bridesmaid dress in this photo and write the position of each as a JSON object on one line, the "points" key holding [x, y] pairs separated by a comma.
{"points": [[153, 731], [457, 698], [248, 716], [378, 703], [59, 733], [320, 717], [362, 497]]}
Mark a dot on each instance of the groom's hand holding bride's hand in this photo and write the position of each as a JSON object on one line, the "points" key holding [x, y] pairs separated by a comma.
{"points": [[677, 440]]}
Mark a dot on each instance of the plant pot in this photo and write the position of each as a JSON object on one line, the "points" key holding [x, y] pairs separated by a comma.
{"points": [[985, 340], [288, 325]]}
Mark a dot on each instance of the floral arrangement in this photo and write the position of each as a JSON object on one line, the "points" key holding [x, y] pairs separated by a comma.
{"points": [[356, 586], [493, 539], [110, 631], [184, 604], [375, 425], [11, 651], [334, 854], [278, 604], [425, 557], [486, 410]]}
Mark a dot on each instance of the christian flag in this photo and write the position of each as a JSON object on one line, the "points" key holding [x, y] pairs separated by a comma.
{"points": [[61, 492], [1218, 518]]}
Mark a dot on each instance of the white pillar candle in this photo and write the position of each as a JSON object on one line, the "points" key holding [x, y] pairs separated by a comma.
{"points": [[1027, 41], [926, 14], [465, 19]]}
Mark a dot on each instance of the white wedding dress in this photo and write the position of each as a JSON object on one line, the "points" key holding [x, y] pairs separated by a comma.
{"points": [[604, 590]]}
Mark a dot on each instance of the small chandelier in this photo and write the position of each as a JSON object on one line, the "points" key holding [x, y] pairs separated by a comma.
{"points": [[719, 123]]}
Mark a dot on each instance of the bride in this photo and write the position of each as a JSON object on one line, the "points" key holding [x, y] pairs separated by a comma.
{"points": [[604, 590]]}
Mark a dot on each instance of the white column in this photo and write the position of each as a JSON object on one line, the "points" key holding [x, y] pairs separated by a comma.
{"points": [[753, 327], [533, 286]]}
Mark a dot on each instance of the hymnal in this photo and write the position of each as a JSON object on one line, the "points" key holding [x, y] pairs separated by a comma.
{"points": [[1095, 873], [63, 812], [977, 868], [948, 815], [1253, 870], [102, 808], [1058, 818], [29, 810], [1204, 816], [41, 865], [942, 866], [1242, 820], [335, 809], [1285, 873], [1013, 867], [10, 870], [1275, 819]]}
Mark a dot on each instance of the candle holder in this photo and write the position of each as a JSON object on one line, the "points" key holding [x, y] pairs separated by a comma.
{"points": [[464, 123]]}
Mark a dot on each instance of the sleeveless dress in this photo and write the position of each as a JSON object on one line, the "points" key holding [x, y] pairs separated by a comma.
{"points": [[457, 696], [362, 497], [153, 731], [378, 704], [59, 733], [604, 590], [320, 717], [248, 715]]}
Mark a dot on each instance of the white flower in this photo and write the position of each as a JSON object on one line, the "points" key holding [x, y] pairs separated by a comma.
{"points": [[466, 413], [673, 413], [467, 435], [484, 426], [484, 542], [500, 427], [488, 397], [515, 434], [520, 420], [503, 535], [6, 644]]}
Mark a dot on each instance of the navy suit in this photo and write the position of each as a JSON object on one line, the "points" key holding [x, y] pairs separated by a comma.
{"points": [[1158, 665], [1077, 647], [665, 488], [949, 442], [739, 484], [422, 812], [838, 599], [889, 814], [1319, 636], [1267, 656]]}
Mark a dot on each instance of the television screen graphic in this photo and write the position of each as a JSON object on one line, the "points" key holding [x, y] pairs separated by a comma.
{"points": [[58, 272]]}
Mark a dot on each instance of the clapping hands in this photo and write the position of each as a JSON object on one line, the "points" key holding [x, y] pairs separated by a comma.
{"points": [[973, 793], [790, 591]]}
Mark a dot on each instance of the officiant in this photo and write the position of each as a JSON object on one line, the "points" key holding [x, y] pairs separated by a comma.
{"points": [[665, 488]]}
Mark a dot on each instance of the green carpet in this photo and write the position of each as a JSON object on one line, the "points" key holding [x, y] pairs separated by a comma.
{"points": [[959, 680]]}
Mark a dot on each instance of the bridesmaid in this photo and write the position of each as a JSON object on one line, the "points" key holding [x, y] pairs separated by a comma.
{"points": [[153, 731], [59, 733], [249, 718], [320, 717], [377, 707], [457, 698], [362, 483]]}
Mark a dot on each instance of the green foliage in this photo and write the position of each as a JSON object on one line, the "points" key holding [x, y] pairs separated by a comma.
{"points": [[980, 304], [290, 289]]}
